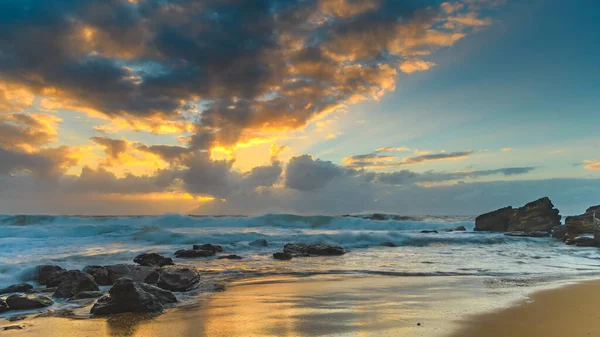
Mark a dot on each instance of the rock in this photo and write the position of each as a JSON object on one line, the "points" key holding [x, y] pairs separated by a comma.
{"points": [[153, 260], [584, 223], [87, 294], [17, 318], [559, 232], [55, 279], [16, 288], [136, 273], [388, 244], [178, 278], [100, 275], [12, 327], [426, 231], [528, 234], [597, 228], [230, 257], [192, 253], [25, 302], [212, 248], [585, 241], [3, 306], [523, 234], [539, 215], [45, 272], [74, 282], [259, 243], [57, 313], [377, 217], [460, 229], [539, 234], [282, 256], [127, 296], [322, 250], [164, 296]]}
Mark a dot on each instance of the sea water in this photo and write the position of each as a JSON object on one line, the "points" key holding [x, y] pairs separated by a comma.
{"points": [[75, 242]]}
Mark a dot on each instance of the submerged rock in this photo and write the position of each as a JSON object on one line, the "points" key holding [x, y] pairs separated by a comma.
{"points": [[45, 273], [26, 302], [213, 248], [178, 278], [282, 256], [153, 260], [528, 234], [259, 243], [319, 250], [100, 275], [583, 223], [536, 216], [74, 282], [192, 253], [127, 296], [460, 229], [427, 231], [230, 257], [16, 288], [585, 241], [388, 244], [136, 273]]}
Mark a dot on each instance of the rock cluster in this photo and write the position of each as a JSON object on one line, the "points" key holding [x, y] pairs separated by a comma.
{"points": [[536, 216], [583, 223], [313, 250]]}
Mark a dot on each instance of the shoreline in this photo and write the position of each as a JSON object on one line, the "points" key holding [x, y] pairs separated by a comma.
{"points": [[331, 306]]}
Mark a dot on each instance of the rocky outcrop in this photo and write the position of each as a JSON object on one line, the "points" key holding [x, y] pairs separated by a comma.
{"points": [[583, 223], [282, 256], [26, 302], [192, 253], [585, 241], [178, 278], [596, 218], [559, 232], [74, 282], [3, 306], [536, 216], [259, 243], [127, 296], [16, 288], [45, 273], [100, 275], [308, 250], [136, 273], [153, 260]]}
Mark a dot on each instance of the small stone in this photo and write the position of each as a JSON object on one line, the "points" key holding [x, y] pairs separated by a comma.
{"points": [[12, 327], [25, 302]]}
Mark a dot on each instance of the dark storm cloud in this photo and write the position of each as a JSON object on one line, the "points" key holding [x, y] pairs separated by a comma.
{"points": [[254, 64], [48, 163], [103, 181], [305, 174], [168, 153]]}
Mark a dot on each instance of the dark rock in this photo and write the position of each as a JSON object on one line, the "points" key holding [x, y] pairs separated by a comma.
{"points": [[597, 228], [16, 288], [100, 275], [164, 296], [559, 232], [12, 327], [539, 215], [74, 282], [178, 278], [213, 248], [460, 229], [3, 306], [539, 234], [55, 279], [153, 260], [17, 318], [192, 253], [322, 250], [136, 273], [584, 223], [259, 243], [230, 257], [425, 231], [389, 244], [127, 296], [25, 302], [57, 313], [45, 272], [282, 256], [377, 217], [520, 234], [87, 294], [528, 234], [585, 241]]}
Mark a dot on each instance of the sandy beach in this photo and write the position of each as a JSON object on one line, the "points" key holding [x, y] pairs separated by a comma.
{"points": [[359, 306]]}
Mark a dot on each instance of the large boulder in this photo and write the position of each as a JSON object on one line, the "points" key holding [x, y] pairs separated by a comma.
{"points": [[308, 250], [153, 260], [136, 273], [164, 296], [583, 223], [45, 273], [178, 278], [26, 302], [208, 246], [87, 294], [597, 228], [282, 256], [100, 274], [559, 232], [536, 216], [3, 306], [585, 241], [74, 282], [193, 253], [16, 288], [127, 296]]}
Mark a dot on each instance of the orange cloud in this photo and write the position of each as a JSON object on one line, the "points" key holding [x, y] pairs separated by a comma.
{"points": [[413, 65], [592, 164]]}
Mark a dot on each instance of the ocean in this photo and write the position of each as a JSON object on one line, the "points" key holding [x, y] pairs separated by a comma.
{"points": [[75, 242]]}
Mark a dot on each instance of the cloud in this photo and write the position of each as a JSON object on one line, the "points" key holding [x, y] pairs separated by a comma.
{"points": [[409, 177], [591, 164], [390, 149], [28, 132], [413, 65], [506, 149], [113, 147], [50, 163], [375, 160], [306, 174]]}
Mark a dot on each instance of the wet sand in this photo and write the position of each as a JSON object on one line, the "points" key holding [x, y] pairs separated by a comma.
{"points": [[350, 306]]}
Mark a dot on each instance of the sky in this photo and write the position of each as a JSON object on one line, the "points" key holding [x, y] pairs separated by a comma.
{"points": [[123, 107]]}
